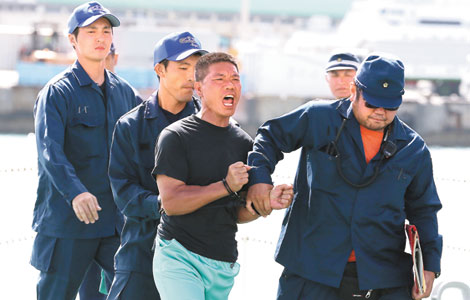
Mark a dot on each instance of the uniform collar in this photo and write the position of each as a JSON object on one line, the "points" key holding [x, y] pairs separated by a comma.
{"points": [[83, 77], [344, 108], [398, 130], [153, 110], [81, 74]]}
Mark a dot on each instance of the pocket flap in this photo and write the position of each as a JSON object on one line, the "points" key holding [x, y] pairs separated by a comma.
{"points": [[43, 249], [86, 120]]}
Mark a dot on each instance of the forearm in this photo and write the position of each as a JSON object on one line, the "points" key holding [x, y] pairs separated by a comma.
{"points": [[60, 171], [134, 191], [184, 199], [422, 205], [137, 202], [245, 216], [131, 197]]}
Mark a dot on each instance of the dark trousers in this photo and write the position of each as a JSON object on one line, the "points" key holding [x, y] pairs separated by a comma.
{"points": [[89, 289], [64, 262], [294, 287], [133, 286]]}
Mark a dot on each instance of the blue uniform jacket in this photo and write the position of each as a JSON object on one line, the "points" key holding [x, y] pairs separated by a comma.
{"points": [[74, 126], [135, 190], [328, 218]]}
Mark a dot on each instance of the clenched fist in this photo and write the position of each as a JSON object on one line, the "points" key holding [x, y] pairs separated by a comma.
{"points": [[237, 176]]}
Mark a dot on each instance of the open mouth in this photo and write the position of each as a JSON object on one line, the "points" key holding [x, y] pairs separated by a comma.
{"points": [[228, 100]]}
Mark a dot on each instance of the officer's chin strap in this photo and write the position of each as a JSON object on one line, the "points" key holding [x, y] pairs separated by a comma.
{"points": [[387, 150]]}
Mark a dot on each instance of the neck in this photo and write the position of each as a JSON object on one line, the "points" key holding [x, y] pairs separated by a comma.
{"points": [[169, 103], [94, 69], [209, 117]]}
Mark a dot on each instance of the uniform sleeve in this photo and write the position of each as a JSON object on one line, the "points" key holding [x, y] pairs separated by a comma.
{"points": [[283, 134], [422, 204], [170, 157], [49, 124], [133, 200]]}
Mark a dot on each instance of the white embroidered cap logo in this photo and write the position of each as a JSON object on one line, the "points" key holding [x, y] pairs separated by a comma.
{"points": [[189, 40], [95, 8]]}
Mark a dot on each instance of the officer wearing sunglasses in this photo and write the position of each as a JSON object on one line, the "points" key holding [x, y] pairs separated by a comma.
{"points": [[362, 173]]}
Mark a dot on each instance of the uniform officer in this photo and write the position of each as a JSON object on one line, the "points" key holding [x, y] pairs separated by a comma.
{"points": [[75, 113], [132, 160], [340, 72], [362, 172]]}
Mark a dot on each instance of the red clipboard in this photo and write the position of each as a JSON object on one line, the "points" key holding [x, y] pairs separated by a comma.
{"points": [[417, 254]]}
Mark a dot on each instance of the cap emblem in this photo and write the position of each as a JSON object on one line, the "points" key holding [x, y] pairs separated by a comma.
{"points": [[189, 40], [96, 8]]}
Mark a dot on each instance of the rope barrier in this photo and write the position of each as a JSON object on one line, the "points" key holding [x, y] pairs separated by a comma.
{"points": [[244, 239], [17, 170], [452, 180], [261, 241], [255, 240], [276, 177], [13, 241]]}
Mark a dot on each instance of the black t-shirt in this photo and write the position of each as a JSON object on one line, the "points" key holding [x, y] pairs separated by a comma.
{"points": [[199, 153]]}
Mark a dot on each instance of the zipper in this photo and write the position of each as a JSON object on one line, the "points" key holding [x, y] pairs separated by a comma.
{"points": [[369, 293]]}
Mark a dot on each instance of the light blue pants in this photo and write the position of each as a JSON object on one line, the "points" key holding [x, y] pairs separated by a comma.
{"points": [[184, 275]]}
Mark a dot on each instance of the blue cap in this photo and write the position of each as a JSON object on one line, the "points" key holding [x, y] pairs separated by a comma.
{"points": [[343, 61], [88, 13], [382, 80], [176, 46]]}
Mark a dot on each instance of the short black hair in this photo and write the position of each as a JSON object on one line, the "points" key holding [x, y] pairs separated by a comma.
{"points": [[209, 59], [75, 32]]}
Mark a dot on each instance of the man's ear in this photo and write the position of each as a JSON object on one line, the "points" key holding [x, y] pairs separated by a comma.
{"points": [[160, 70], [352, 89], [198, 89], [116, 58], [72, 40]]}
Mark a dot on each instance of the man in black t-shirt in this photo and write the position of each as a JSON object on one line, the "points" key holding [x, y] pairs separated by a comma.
{"points": [[200, 167]]}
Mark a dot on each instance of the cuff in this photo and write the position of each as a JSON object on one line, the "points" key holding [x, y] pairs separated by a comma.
{"points": [[259, 175], [152, 206]]}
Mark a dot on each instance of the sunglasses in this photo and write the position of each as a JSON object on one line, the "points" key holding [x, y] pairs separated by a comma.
{"points": [[368, 105]]}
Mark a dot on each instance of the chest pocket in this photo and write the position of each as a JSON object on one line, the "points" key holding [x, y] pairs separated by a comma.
{"points": [[390, 189], [86, 120], [86, 136], [398, 181]]}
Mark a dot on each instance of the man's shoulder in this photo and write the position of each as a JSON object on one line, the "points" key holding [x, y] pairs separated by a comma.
{"points": [[61, 85], [241, 133], [133, 116], [182, 125], [120, 82], [323, 105], [61, 80], [409, 135]]}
